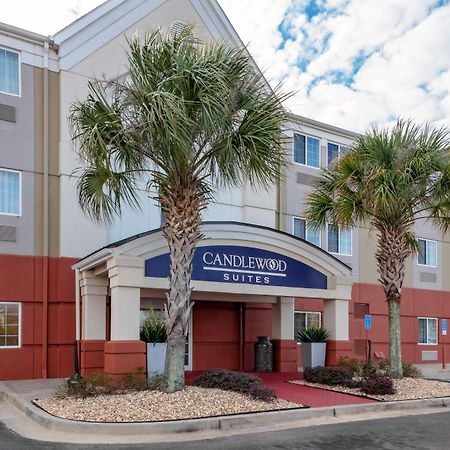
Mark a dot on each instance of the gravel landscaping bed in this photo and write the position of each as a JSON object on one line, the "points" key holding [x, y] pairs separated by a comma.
{"points": [[407, 389], [143, 406]]}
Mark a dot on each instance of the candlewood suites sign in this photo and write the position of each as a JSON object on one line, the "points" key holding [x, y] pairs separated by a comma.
{"points": [[236, 264]]}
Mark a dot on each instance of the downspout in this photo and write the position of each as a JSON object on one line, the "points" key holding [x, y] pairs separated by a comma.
{"points": [[45, 207], [76, 349]]}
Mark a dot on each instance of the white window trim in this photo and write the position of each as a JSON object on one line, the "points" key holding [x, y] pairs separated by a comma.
{"points": [[339, 232], [417, 256], [19, 62], [437, 330], [20, 193], [19, 321], [306, 230], [339, 148], [307, 312], [306, 151]]}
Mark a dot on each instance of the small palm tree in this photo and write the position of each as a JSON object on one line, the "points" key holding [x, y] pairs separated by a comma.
{"points": [[189, 118], [390, 180]]}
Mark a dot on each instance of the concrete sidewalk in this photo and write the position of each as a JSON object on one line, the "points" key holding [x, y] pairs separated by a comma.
{"points": [[435, 371]]}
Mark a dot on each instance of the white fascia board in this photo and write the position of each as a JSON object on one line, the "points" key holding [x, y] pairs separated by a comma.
{"points": [[93, 260], [80, 45], [86, 20], [31, 53]]}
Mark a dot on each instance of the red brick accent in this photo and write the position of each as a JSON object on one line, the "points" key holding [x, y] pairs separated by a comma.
{"points": [[92, 357], [284, 355], [122, 357], [335, 349]]}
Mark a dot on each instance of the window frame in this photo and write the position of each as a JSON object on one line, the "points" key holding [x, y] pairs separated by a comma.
{"points": [[339, 150], [305, 164], [19, 63], [339, 245], [417, 256], [294, 218], [437, 330], [19, 325], [20, 193], [306, 320]]}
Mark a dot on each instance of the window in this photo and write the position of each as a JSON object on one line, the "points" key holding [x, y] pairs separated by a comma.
{"points": [[9, 72], [427, 255], [339, 240], [306, 150], [336, 151], [9, 324], [428, 330], [303, 320], [303, 231], [10, 195]]}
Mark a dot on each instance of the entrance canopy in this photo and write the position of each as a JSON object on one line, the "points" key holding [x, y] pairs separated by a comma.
{"points": [[235, 262], [234, 258]]}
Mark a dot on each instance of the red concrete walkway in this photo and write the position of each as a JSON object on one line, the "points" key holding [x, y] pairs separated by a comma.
{"points": [[306, 395]]}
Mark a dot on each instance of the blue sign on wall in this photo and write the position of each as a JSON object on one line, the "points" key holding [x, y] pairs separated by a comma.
{"points": [[444, 327], [236, 264], [367, 321]]}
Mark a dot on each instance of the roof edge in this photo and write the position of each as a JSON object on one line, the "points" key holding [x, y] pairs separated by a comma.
{"points": [[105, 251]]}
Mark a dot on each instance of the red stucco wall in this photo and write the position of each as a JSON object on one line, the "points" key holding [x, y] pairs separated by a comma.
{"points": [[21, 280]]}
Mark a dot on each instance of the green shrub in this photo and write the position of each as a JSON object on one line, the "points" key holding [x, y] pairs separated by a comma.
{"points": [[229, 380], [102, 384], [313, 334], [327, 375], [410, 371], [367, 369], [377, 384], [353, 365], [153, 329]]}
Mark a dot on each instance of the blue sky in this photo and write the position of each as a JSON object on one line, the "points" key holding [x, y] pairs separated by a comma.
{"points": [[352, 63]]}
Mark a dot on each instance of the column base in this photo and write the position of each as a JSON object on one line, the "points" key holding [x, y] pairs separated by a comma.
{"points": [[284, 355], [335, 349], [92, 357], [125, 357]]}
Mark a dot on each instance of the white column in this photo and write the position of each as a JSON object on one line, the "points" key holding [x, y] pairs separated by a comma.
{"points": [[125, 277], [335, 319], [93, 294], [283, 319]]}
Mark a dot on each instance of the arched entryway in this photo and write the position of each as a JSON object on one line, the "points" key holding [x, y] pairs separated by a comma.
{"points": [[245, 280]]}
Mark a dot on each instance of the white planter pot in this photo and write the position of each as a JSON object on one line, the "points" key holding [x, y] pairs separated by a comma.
{"points": [[156, 358], [313, 354]]}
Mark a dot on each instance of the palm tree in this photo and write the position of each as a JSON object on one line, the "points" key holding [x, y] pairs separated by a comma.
{"points": [[190, 117], [390, 180]]}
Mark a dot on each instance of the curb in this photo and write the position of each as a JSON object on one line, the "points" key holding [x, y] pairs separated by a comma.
{"points": [[225, 423]]}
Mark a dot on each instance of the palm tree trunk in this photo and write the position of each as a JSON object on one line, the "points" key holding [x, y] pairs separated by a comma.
{"points": [[182, 207], [395, 344], [391, 257]]}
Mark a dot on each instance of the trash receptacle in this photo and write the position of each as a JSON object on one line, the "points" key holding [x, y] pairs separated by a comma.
{"points": [[263, 355]]}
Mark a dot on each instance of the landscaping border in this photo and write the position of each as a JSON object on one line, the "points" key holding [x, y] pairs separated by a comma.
{"points": [[362, 394], [174, 420], [221, 423]]}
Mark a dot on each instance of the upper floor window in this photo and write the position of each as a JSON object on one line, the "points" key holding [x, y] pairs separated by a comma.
{"points": [[428, 329], [335, 151], [304, 320], [306, 150], [427, 255], [9, 324], [9, 72], [10, 192], [306, 232], [339, 240]]}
